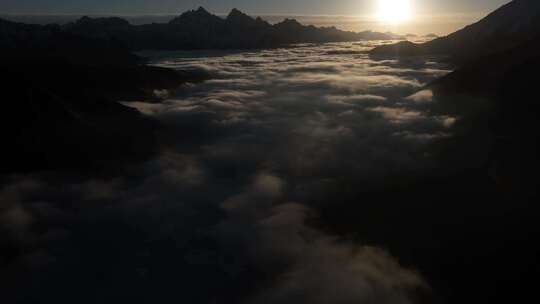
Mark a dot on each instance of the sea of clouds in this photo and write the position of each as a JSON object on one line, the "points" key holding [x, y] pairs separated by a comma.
{"points": [[228, 212]]}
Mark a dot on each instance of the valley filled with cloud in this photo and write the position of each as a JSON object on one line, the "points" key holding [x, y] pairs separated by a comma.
{"points": [[230, 208]]}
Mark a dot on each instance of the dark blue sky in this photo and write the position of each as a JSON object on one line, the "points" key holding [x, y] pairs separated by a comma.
{"points": [[347, 7]]}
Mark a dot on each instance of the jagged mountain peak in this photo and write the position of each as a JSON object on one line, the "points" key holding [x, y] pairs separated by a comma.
{"points": [[236, 14], [239, 18], [199, 14], [290, 23], [201, 11], [200, 29]]}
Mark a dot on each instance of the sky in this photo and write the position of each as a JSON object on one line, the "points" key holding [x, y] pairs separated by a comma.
{"points": [[318, 7]]}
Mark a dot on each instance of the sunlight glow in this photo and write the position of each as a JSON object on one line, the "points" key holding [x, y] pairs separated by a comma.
{"points": [[393, 11]]}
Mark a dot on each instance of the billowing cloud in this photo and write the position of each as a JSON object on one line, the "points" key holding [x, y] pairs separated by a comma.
{"points": [[247, 161], [398, 115], [311, 267], [423, 96]]}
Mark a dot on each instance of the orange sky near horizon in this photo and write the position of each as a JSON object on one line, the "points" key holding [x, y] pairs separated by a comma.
{"points": [[419, 24]]}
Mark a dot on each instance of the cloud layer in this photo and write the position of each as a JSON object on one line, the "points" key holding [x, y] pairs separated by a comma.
{"points": [[226, 211]]}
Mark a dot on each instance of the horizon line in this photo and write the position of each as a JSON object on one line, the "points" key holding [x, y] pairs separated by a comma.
{"points": [[112, 14]]}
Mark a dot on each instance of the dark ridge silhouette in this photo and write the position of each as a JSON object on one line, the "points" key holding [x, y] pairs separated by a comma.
{"points": [[493, 89], [488, 76], [491, 160], [59, 100], [495, 145], [399, 49], [239, 18], [198, 19], [503, 29], [199, 29], [496, 139], [48, 126], [50, 41], [500, 90]]}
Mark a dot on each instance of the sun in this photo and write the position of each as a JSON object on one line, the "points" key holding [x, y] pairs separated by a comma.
{"points": [[393, 11]]}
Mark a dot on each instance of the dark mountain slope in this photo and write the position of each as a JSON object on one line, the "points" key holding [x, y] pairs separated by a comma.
{"points": [[501, 89], [503, 29], [488, 76], [491, 160], [493, 91], [50, 41], [59, 93], [478, 239], [44, 128]]}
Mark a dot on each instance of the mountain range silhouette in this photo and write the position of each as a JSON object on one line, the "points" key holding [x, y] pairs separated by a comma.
{"points": [[199, 29]]}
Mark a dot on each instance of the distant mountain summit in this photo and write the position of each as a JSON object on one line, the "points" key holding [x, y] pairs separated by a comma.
{"points": [[200, 17], [239, 18], [199, 29], [503, 29]]}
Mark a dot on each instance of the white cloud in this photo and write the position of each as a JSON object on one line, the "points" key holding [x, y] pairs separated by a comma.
{"points": [[423, 96], [398, 115], [350, 100], [253, 145], [313, 267]]}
